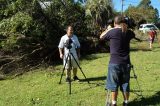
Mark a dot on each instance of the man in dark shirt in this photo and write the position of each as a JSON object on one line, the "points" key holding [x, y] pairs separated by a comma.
{"points": [[118, 68]]}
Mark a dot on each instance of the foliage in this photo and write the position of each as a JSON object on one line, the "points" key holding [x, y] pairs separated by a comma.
{"points": [[144, 11], [98, 13], [68, 12], [20, 22], [43, 25], [13, 28], [32, 32]]}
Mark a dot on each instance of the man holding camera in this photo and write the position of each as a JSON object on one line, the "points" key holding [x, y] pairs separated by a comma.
{"points": [[69, 44], [119, 65]]}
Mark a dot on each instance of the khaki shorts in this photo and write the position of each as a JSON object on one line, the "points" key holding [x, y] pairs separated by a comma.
{"points": [[71, 63]]}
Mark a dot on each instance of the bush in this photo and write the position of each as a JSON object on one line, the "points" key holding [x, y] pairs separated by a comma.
{"points": [[14, 28]]}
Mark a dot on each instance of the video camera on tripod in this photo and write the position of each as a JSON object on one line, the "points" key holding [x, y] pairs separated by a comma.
{"points": [[68, 43]]}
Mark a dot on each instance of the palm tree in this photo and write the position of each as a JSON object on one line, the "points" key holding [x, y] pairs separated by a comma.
{"points": [[99, 11]]}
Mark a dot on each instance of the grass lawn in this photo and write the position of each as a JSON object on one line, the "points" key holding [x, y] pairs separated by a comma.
{"points": [[41, 88]]}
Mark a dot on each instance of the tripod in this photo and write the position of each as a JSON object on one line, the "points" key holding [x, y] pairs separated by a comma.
{"points": [[135, 76], [66, 60], [108, 98]]}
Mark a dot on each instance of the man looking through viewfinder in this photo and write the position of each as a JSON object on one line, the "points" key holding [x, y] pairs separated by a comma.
{"points": [[119, 64]]}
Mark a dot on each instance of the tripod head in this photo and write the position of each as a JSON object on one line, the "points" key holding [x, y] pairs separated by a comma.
{"points": [[131, 66], [68, 43]]}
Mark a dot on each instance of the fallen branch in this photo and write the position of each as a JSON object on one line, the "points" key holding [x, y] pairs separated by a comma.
{"points": [[23, 61]]}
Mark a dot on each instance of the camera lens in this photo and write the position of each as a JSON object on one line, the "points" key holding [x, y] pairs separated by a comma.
{"points": [[68, 43]]}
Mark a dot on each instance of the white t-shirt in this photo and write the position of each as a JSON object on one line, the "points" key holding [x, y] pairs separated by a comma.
{"points": [[75, 44]]}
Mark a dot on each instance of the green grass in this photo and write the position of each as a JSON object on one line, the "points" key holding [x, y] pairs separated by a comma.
{"points": [[41, 88]]}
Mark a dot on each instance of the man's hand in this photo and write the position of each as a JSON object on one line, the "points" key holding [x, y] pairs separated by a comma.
{"points": [[138, 39], [61, 56], [61, 53], [102, 36]]}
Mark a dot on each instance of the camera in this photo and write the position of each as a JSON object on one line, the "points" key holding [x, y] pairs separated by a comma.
{"points": [[110, 22], [68, 43], [130, 22]]}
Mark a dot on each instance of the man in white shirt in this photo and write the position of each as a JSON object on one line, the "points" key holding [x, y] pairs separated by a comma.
{"points": [[64, 52]]}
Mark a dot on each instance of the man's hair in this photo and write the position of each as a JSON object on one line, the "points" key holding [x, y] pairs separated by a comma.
{"points": [[68, 27], [110, 21], [119, 19]]}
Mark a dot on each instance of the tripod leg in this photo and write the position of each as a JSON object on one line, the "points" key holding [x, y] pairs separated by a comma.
{"points": [[79, 67], [135, 76], [64, 69], [70, 65], [108, 102], [70, 87]]}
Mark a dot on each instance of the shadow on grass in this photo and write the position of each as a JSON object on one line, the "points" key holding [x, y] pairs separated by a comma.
{"points": [[149, 101], [93, 79], [92, 84], [142, 49], [138, 92]]}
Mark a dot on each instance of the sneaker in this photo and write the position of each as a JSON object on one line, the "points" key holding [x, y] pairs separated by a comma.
{"points": [[68, 79], [75, 78], [125, 104]]}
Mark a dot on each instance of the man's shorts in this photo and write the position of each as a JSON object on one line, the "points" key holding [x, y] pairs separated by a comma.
{"points": [[118, 76], [71, 62]]}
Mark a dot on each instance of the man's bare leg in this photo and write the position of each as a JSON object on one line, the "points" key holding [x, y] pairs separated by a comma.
{"points": [[75, 74], [114, 97], [68, 75], [126, 97]]}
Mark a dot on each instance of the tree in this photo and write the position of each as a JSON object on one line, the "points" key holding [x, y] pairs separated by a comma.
{"points": [[99, 11], [156, 15], [32, 33], [143, 12], [145, 4]]}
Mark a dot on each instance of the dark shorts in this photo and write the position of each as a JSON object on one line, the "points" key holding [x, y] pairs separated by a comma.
{"points": [[118, 76]]}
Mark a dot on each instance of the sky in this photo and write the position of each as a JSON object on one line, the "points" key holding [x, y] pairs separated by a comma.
{"points": [[117, 4]]}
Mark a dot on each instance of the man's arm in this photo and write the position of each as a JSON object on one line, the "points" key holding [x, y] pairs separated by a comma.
{"points": [[102, 36], [61, 53], [138, 39], [61, 48], [133, 35]]}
